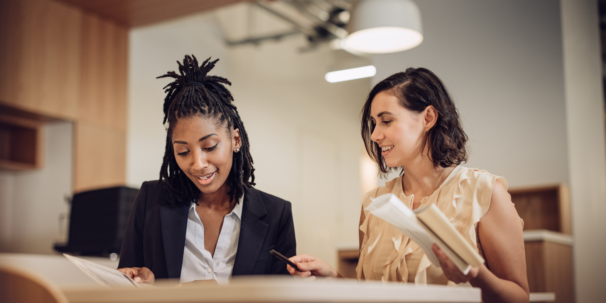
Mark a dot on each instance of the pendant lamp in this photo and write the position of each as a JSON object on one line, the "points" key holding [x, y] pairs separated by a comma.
{"points": [[384, 26]]}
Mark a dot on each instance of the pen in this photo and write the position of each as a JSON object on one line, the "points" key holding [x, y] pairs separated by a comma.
{"points": [[285, 259]]}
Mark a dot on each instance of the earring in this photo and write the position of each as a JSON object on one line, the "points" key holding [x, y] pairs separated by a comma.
{"points": [[237, 150]]}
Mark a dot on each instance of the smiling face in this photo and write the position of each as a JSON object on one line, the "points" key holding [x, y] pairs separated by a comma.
{"points": [[399, 132], [204, 151]]}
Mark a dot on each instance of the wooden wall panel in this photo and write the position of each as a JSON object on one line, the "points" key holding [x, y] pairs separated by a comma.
{"points": [[40, 57], [60, 62], [549, 269], [100, 157], [100, 146], [103, 97], [543, 207]]}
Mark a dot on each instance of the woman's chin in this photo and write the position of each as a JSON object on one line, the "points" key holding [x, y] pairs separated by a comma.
{"points": [[392, 164]]}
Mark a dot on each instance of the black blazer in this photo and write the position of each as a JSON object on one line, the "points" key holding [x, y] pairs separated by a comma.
{"points": [[155, 234]]}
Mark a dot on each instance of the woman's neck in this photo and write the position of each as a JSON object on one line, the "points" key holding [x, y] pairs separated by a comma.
{"points": [[421, 178], [217, 200]]}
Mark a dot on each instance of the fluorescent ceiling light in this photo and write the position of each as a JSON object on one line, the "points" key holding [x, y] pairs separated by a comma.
{"points": [[351, 74]]}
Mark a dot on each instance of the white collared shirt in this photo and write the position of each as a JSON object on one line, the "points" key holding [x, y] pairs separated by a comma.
{"points": [[198, 263]]}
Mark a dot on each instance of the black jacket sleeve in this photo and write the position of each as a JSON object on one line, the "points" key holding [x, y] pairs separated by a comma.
{"points": [[131, 254], [285, 241]]}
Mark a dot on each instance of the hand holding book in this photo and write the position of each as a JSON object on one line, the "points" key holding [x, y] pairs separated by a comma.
{"points": [[427, 226]]}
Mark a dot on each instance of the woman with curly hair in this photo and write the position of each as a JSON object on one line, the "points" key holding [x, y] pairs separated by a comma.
{"points": [[410, 124]]}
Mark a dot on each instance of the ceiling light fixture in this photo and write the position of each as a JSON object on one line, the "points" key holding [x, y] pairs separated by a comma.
{"points": [[384, 26], [351, 74]]}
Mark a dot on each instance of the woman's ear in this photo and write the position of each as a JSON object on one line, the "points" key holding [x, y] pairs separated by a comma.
{"points": [[430, 117], [236, 140]]}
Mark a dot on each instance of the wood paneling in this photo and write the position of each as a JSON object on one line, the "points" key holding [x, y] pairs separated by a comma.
{"points": [[100, 131], [20, 143], [39, 56], [103, 66], [62, 63], [132, 13], [544, 207], [348, 261], [549, 268], [100, 157]]}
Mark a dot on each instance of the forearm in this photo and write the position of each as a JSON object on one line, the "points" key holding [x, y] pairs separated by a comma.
{"points": [[495, 289]]}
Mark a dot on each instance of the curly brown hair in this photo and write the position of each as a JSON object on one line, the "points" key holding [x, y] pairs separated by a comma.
{"points": [[416, 89]]}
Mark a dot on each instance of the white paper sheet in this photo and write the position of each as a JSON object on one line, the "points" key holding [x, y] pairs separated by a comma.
{"points": [[104, 275]]}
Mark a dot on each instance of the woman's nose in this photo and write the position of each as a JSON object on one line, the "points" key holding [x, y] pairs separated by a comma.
{"points": [[376, 135], [200, 161]]}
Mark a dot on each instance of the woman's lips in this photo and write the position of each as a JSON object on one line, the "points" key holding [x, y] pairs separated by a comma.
{"points": [[206, 179], [385, 150]]}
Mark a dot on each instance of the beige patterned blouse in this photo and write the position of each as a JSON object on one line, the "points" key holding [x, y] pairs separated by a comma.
{"points": [[388, 255]]}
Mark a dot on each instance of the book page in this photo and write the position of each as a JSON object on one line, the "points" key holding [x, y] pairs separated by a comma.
{"points": [[437, 222], [102, 274], [391, 209]]}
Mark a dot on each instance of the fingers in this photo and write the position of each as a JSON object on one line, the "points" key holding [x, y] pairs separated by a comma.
{"points": [[303, 258], [302, 261], [451, 271], [145, 275], [131, 272], [298, 273], [139, 274]]}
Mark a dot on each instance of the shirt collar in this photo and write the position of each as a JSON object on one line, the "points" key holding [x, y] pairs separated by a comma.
{"points": [[236, 211]]}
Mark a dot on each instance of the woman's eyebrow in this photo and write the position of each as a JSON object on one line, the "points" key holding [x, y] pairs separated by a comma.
{"points": [[206, 137], [384, 113], [201, 139]]}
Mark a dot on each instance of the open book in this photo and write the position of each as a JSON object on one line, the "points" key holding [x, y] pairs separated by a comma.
{"points": [[425, 226], [104, 275]]}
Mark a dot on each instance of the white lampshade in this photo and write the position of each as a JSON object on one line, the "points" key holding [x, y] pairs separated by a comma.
{"points": [[384, 26]]}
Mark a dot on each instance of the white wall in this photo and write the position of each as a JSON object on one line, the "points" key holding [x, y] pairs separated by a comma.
{"points": [[585, 126], [31, 202], [502, 63], [304, 132]]}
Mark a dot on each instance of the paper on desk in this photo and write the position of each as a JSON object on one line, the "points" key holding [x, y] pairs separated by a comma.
{"points": [[102, 274], [391, 209]]}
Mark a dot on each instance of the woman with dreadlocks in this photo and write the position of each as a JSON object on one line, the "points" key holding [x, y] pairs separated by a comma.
{"points": [[203, 220]]}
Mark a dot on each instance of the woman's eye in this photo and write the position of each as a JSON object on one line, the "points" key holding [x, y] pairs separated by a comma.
{"points": [[211, 148], [386, 122], [183, 153]]}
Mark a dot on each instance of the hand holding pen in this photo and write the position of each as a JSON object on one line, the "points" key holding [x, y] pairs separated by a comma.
{"points": [[311, 266]]}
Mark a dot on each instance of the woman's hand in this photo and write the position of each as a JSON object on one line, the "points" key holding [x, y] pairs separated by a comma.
{"points": [[139, 274], [311, 266], [451, 271]]}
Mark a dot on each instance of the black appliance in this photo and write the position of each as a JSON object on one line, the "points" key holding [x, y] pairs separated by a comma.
{"points": [[98, 220]]}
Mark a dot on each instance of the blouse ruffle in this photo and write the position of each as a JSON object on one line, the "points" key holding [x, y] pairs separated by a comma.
{"points": [[388, 255]]}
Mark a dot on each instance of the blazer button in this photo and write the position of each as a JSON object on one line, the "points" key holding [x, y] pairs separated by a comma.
{"points": [[209, 270]]}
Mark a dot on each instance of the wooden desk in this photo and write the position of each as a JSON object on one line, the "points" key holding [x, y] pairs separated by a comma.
{"points": [[79, 288], [279, 289]]}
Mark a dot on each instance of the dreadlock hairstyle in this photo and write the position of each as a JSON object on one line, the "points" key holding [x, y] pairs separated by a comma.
{"points": [[193, 93]]}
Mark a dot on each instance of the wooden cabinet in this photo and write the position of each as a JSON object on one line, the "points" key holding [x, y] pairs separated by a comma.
{"points": [[549, 263], [547, 238], [40, 57], [59, 62], [543, 207], [20, 143]]}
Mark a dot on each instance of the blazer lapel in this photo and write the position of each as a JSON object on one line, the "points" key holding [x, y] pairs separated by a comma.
{"points": [[174, 226], [252, 233]]}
